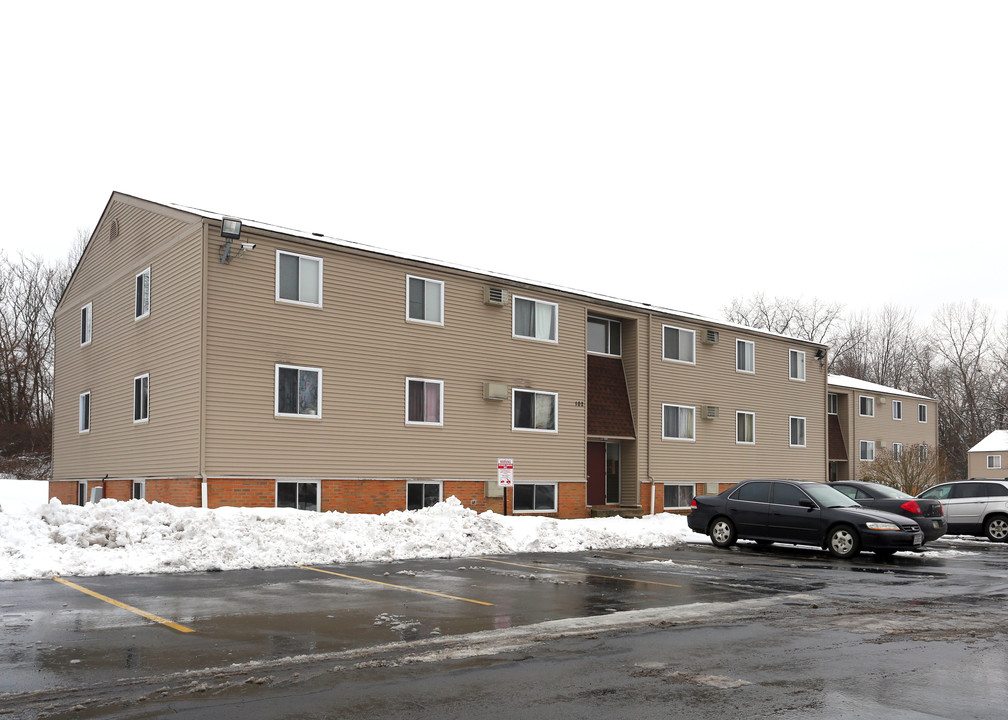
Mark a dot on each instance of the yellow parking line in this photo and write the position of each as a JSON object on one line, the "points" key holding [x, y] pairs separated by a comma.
{"points": [[142, 613], [400, 587], [707, 564], [575, 572]]}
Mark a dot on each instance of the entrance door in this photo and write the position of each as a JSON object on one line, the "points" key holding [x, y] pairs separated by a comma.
{"points": [[596, 473]]}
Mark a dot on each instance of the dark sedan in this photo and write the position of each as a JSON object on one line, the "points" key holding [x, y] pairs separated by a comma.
{"points": [[927, 513], [800, 513]]}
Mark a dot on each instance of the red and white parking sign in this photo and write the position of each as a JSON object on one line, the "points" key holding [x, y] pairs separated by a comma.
{"points": [[505, 472]]}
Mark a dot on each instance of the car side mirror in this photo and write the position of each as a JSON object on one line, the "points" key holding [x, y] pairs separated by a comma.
{"points": [[807, 504]]}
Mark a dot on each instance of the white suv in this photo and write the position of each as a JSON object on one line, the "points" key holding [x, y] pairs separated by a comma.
{"points": [[974, 507]]}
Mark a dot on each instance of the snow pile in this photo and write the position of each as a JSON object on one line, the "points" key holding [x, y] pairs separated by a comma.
{"points": [[113, 537]]}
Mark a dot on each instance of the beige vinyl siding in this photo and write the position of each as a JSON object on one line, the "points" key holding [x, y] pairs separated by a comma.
{"points": [[714, 455], [166, 344], [365, 347], [977, 465]]}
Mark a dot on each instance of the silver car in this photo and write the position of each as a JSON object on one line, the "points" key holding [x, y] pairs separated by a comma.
{"points": [[974, 507]]}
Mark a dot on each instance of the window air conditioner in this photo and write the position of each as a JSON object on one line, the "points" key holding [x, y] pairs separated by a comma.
{"points": [[495, 391], [494, 296], [711, 411], [711, 337]]}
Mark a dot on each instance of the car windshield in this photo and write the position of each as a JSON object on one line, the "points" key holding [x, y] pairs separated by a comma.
{"points": [[886, 491], [827, 496]]}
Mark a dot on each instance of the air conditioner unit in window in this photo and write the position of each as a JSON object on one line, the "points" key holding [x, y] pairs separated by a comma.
{"points": [[494, 296], [880, 444], [880, 400], [711, 337], [710, 411], [495, 391]]}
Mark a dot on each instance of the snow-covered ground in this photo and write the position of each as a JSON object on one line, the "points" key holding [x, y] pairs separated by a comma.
{"points": [[40, 539]]}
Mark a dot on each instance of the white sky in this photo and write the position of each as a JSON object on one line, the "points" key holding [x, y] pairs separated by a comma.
{"points": [[679, 153]]}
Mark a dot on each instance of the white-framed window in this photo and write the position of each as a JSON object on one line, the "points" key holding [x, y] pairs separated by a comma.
{"points": [[85, 323], [866, 406], [142, 306], [677, 497], [422, 494], [84, 413], [141, 398], [745, 356], [536, 319], [299, 494], [604, 336], [424, 399], [679, 344], [138, 491], [897, 451], [832, 403], [298, 392], [533, 410], [535, 497], [922, 413], [298, 279], [745, 427], [797, 433], [993, 462], [678, 422], [796, 365], [867, 450], [424, 300], [897, 409], [922, 453]]}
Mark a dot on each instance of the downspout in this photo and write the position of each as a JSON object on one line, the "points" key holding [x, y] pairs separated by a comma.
{"points": [[647, 408], [204, 250]]}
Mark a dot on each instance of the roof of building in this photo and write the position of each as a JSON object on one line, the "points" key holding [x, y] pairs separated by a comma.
{"points": [[997, 441], [855, 384]]}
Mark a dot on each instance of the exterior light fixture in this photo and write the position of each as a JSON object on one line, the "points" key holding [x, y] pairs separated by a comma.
{"points": [[230, 228]]}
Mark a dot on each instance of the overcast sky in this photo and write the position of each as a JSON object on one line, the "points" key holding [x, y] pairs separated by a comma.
{"points": [[668, 152]]}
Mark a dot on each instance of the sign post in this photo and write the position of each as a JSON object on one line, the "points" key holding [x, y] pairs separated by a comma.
{"points": [[505, 476]]}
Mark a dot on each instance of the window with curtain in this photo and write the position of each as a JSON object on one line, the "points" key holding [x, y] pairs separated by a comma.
{"points": [[604, 336], [141, 398], [678, 422], [866, 406], [423, 401], [745, 428], [797, 432], [299, 278], [867, 450], [84, 414], [142, 294], [922, 413], [897, 451], [424, 300], [85, 333], [897, 410], [298, 391], [745, 356], [534, 410], [535, 319], [677, 496], [678, 344], [796, 364]]}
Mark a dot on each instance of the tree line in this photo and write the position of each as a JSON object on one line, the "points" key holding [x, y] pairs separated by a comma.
{"points": [[959, 357]]}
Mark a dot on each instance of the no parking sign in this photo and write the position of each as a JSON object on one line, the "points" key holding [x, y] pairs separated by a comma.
{"points": [[505, 472]]}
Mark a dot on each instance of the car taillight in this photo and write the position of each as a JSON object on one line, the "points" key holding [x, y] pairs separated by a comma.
{"points": [[693, 503], [911, 506]]}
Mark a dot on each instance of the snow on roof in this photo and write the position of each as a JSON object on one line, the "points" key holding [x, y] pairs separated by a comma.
{"points": [[997, 441], [856, 384]]}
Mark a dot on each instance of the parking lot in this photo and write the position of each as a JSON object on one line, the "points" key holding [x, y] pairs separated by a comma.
{"points": [[79, 644]]}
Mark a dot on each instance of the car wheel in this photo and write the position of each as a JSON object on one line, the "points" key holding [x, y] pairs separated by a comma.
{"points": [[996, 528], [843, 542], [722, 532]]}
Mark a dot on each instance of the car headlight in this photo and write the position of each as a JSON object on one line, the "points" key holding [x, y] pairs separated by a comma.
{"points": [[882, 526]]}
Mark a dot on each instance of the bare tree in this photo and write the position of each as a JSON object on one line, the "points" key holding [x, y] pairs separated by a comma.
{"points": [[814, 320], [914, 469], [882, 348]]}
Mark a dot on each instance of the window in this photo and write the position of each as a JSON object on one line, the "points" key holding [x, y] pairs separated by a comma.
{"points": [[141, 398], [745, 356], [422, 494], [866, 405], [534, 319], [533, 410], [139, 490], [82, 493], [922, 413], [868, 450], [897, 409], [753, 492], [299, 495], [797, 432], [678, 344], [993, 462], [796, 364], [299, 279], [423, 401], [678, 422], [785, 494], [678, 497], [530, 497], [424, 300], [745, 428], [897, 451], [84, 414], [922, 453], [142, 295], [832, 403], [298, 391], [604, 336], [85, 325]]}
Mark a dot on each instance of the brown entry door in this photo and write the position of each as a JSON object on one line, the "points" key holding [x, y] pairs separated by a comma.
{"points": [[596, 473]]}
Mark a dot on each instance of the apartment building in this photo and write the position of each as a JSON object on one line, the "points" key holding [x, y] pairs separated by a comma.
{"points": [[209, 360], [865, 417], [988, 459]]}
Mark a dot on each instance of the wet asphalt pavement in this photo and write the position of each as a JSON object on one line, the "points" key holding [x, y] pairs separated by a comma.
{"points": [[679, 631]]}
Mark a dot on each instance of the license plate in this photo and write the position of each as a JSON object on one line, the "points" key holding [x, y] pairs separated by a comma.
{"points": [[919, 539], [936, 524]]}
